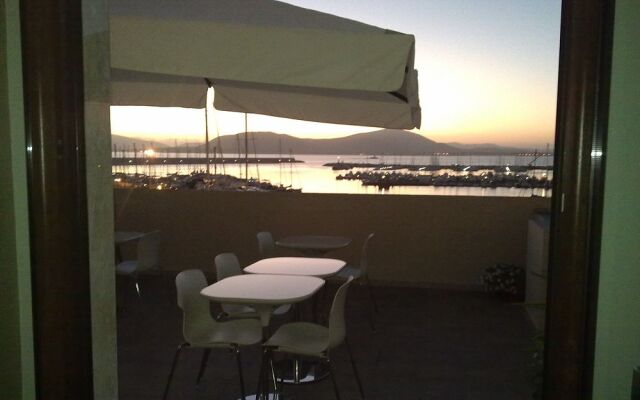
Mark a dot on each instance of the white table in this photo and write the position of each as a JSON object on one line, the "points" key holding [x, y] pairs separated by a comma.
{"points": [[314, 244], [300, 371], [301, 266], [263, 292]]}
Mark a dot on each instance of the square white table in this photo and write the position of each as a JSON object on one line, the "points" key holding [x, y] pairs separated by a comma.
{"points": [[301, 266], [263, 292]]}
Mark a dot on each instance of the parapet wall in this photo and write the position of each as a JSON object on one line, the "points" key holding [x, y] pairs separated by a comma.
{"points": [[441, 241]]}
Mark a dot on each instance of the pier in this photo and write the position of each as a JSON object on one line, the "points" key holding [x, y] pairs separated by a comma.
{"points": [[122, 161], [344, 166], [385, 180]]}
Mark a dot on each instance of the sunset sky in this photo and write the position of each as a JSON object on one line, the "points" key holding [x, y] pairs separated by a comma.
{"points": [[487, 73]]}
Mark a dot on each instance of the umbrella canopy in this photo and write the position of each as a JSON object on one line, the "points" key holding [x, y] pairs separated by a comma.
{"points": [[263, 57]]}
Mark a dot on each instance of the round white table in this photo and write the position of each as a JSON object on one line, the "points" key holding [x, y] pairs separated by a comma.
{"points": [[302, 266], [314, 244]]}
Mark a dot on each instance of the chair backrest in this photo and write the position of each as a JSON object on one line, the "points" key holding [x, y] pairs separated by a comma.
{"points": [[195, 307], [337, 326], [227, 265], [364, 258], [266, 244], [149, 251]]}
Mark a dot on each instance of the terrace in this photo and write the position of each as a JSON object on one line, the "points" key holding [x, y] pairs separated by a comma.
{"points": [[438, 335]]}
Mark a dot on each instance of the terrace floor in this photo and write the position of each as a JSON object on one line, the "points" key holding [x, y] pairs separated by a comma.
{"points": [[429, 344]]}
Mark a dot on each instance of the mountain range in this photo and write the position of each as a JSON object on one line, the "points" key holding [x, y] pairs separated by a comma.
{"points": [[381, 142]]}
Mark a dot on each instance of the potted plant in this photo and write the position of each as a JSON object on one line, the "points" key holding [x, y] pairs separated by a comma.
{"points": [[505, 280]]}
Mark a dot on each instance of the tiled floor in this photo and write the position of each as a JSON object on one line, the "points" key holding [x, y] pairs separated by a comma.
{"points": [[429, 344]]}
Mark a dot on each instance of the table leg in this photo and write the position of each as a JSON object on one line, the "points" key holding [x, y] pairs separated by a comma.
{"points": [[262, 391]]}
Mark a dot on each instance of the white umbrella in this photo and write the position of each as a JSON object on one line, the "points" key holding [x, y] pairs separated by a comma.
{"points": [[263, 57]]}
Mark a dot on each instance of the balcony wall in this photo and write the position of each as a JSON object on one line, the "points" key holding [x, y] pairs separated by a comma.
{"points": [[440, 241]]}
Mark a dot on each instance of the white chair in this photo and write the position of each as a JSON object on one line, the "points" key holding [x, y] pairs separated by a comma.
{"points": [[360, 273], [266, 244], [147, 258], [227, 265], [200, 330], [309, 339]]}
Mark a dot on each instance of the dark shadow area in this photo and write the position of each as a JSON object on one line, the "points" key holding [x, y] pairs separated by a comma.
{"points": [[429, 344]]}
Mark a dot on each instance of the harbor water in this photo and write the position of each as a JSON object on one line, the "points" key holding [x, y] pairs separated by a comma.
{"points": [[311, 176]]}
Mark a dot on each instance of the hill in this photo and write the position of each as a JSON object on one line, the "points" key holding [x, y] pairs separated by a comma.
{"points": [[385, 141], [125, 142], [381, 142], [488, 148]]}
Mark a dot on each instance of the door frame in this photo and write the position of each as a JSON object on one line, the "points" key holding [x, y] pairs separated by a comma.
{"points": [[56, 159], [581, 127]]}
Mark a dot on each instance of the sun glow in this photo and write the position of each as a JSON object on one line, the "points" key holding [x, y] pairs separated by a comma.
{"points": [[487, 73]]}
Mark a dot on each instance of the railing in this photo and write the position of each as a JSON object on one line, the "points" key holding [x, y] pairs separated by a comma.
{"points": [[420, 240]]}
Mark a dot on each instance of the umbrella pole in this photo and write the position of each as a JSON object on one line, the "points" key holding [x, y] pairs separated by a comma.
{"points": [[206, 133]]}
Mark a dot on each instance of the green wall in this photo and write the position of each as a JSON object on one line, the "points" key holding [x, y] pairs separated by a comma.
{"points": [[16, 331], [618, 326]]}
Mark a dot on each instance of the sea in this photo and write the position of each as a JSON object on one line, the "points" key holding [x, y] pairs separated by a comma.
{"points": [[311, 176]]}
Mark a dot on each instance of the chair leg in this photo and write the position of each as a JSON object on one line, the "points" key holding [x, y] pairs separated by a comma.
{"points": [[239, 360], [203, 365], [333, 380], [135, 281], [273, 377], [173, 367], [355, 370], [259, 390]]}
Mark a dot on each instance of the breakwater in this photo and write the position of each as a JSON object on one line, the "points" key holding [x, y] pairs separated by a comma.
{"points": [[121, 161], [343, 166], [385, 180]]}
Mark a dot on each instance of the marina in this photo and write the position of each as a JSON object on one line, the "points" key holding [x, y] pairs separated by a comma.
{"points": [[449, 175]]}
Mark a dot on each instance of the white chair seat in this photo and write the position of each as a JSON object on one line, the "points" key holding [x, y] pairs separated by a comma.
{"points": [[127, 267], [242, 332], [200, 330], [302, 338], [308, 339]]}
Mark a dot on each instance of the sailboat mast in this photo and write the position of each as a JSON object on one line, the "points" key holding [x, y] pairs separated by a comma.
{"points": [[206, 140], [255, 155], [239, 154], [280, 157], [206, 123], [246, 149]]}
